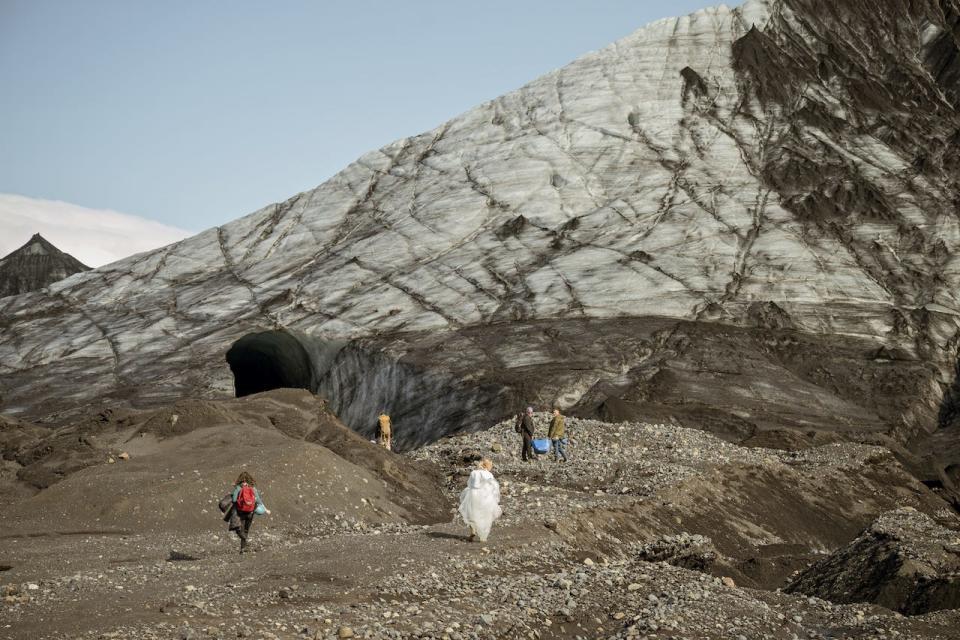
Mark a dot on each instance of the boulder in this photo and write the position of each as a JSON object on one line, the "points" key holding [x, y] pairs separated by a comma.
{"points": [[904, 561]]}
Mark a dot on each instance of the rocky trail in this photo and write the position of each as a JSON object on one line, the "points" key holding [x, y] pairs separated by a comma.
{"points": [[649, 531]]}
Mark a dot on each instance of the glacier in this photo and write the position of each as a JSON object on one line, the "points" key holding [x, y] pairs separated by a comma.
{"points": [[744, 219]]}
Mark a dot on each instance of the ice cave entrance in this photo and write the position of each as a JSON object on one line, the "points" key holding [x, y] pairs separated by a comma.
{"points": [[269, 360]]}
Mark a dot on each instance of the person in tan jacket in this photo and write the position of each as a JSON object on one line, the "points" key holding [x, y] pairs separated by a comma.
{"points": [[557, 435], [384, 431]]}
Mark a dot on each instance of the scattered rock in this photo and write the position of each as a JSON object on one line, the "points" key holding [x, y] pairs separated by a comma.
{"points": [[694, 552]]}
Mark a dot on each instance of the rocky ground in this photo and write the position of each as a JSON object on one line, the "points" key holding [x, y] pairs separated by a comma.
{"points": [[649, 531]]}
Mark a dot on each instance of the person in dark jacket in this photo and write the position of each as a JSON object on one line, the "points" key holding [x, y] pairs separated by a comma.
{"points": [[241, 515], [525, 427]]}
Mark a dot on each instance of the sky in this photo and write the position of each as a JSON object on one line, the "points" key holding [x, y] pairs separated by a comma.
{"points": [[191, 114]]}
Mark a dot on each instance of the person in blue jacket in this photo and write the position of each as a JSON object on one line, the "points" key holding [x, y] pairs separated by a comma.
{"points": [[246, 504]]}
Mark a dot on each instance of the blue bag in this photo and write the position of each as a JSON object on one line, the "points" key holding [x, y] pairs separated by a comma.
{"points": [[541, 445]]}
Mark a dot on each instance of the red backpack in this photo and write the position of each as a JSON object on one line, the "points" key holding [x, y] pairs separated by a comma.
{"points": [[246, 499]]}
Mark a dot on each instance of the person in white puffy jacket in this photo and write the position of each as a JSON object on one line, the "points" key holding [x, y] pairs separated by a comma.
{"points": [[480, 501]]}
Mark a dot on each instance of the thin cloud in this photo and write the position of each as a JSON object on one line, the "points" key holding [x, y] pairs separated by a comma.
{"points": [[95, 237]]}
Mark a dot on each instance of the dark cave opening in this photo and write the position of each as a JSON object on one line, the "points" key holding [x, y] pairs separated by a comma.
{"points": [[949, 414], [359, 382], [269, 360]]}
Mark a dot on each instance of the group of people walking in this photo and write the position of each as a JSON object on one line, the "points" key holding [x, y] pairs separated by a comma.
{"points": [[479, 502], [556, 433]]}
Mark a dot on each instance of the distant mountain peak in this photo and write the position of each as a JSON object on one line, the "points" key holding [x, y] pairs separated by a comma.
{"points": [[35, 265], [38, 245]]}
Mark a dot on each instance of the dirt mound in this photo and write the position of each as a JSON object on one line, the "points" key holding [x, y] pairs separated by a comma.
{"points": [[16, 440], [45, 456], [303, 416], [136, 471], [904, 561]]}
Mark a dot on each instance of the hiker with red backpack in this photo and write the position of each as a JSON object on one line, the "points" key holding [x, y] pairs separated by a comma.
{"points": [[244, 504]]}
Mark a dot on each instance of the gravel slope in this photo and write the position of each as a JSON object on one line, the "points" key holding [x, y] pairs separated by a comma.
{"points": [[650, 531]]}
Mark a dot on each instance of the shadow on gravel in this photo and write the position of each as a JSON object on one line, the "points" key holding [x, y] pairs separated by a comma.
{"points": [[441, 535], [50, 534]]}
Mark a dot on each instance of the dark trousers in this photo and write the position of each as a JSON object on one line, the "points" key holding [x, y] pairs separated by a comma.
{"points": [[246, 520], [526, 452]]}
